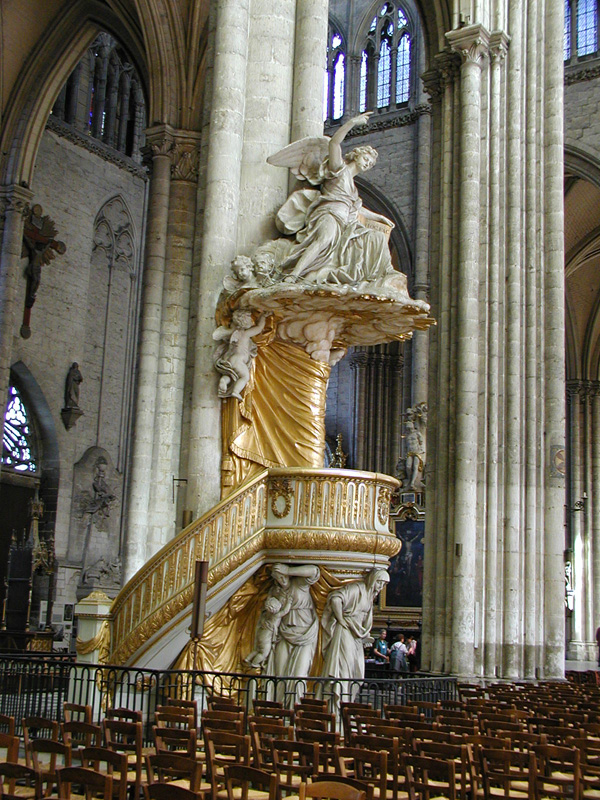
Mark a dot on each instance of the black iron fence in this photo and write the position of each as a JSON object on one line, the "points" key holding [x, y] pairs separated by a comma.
{"points": [[39, 687]]}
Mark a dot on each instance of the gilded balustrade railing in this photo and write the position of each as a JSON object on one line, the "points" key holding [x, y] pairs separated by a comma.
{"points": [[292, 509], [225, 536]]}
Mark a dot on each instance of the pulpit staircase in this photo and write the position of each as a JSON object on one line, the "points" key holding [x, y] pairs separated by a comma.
{"points": [[338, 518]]}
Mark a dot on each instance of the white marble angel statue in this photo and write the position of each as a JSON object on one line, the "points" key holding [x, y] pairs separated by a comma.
{"points": [[233, 357], [331, 244]]}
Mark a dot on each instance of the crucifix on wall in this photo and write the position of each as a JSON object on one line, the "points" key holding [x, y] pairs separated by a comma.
{"points": [[39, 247]]}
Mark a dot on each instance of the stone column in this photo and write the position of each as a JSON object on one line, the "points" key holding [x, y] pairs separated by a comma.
{"points": [[575, 393], [219, 210], [420, 339], [312, 17], [160, 141], [594, 501], [471, 42], [554, 341], [14, 205], [162, 523]]}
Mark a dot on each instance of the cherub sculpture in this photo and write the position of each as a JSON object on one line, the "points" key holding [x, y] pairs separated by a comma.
{"points": [[266, 632], [243, 274], [331, 244], [233, 357]]}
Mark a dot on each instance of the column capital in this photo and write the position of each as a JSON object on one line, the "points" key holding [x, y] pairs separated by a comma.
{"points": [[448, 66], [15, 198], [432, 84], [471, 43], [498, 45], [185, 156]]}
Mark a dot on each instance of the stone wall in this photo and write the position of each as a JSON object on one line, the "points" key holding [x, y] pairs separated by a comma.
{"points": [[86, 311]]}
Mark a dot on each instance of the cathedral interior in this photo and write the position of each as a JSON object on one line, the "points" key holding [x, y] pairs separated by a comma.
{"points": [[133, 171]]}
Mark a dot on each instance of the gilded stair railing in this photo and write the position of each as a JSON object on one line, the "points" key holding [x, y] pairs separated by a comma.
{"points": [[225, 536], [290, 509]]}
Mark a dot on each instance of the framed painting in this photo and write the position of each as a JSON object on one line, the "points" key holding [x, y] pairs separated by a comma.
{"points": [[405, 589]]}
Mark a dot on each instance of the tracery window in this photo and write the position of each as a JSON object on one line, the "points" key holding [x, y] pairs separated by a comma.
{"points": [[581, 29], [18, 445], [385, 73], [103, 98], [335, 77]]}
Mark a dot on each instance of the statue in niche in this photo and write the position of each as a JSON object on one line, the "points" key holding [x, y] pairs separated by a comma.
{"points": [[102, 498], [332, 245], [294, 646], [266, 632], [414, 461], [72, 383], [233, 357], [347, 620]]}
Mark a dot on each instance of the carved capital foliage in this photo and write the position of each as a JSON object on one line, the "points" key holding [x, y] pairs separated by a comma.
{"points": [[584, 389], [498, 46], [432, 84], [472, 43], [448, 67], [15, 199], [185, 158]]}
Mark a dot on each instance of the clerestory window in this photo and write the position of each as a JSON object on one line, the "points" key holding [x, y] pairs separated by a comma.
{"points": [[581, 29], [335, 77], [18, 442], [385, 65]]}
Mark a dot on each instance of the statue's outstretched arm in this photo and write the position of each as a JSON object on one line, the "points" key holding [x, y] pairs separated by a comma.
{"points": [[336, 159]]}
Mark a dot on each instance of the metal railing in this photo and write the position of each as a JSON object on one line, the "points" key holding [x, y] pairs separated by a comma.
{"points": [[40, 687]]}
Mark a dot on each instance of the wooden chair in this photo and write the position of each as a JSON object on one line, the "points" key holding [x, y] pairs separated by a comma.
{"points": [[313, 703], [175, 769], [93, 783], [77, 712], [462, 755], [174, 718], [262, 734], [29, 787], [249, 783], [327, 741], [393, 746], [166, 791], [429, 777], [126, 737], [175, 702], [314, 720], [223, 748], [47, 757], [37, 728], [349, 711], [293, 763], [9, 748], [181, 741], [124, 714], [330, 790], [7, 724], [557, 772], [233, 721], [507, 774], [81, 734], [275, 710], [368, 766], [106, 761]]}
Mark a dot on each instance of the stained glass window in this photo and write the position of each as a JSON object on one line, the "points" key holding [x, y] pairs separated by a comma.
{"points": [[403, 70], [334, 79], [384, 71], [385, 74], [567, 33], [18, 450], [363, 81], [587, 27]]}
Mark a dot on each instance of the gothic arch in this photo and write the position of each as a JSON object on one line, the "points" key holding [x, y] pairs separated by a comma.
{"points": [[48, 67], [115, 234], [376, 200]]}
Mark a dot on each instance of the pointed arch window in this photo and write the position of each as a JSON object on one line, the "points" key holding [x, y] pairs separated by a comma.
{"points": [[385, 74], [335, 77], [18, 442]]}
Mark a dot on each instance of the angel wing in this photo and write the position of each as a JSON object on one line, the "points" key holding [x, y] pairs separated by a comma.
{"points": [[305, 158]]}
